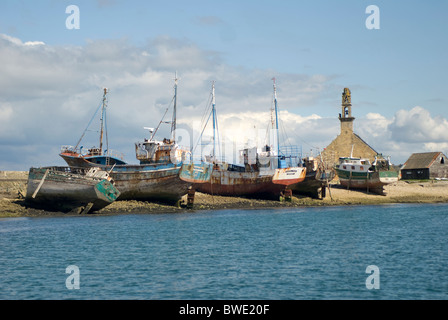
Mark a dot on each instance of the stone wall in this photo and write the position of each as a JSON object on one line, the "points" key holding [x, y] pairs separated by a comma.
{"points": [[342, 147], [13, 182]]}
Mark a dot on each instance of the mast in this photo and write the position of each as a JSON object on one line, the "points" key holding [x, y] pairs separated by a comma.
{"points": [[276, 122], [102, 120], [214, 120], [173, 122]]}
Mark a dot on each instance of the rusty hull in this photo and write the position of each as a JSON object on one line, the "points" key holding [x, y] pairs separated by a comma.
{"points": [[150, 182], [241, 184]]}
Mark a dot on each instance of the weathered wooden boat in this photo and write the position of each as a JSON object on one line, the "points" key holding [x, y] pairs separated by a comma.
{"points": [[160, 182], [67, 188], [163, 174], [359, 173], [262, 175], [316, 181], [95, 156]]}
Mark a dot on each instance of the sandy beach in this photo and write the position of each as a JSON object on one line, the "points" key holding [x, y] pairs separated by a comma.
{"points": [[13, 187]]}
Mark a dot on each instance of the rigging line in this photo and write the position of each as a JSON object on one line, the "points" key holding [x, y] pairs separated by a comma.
{"points": [[217, 130], [203, 129], [207, 109], [301, 139], [90, 122], [155, 131]]}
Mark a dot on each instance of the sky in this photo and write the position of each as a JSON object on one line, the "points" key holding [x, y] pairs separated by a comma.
{"points": [[53, 71]]}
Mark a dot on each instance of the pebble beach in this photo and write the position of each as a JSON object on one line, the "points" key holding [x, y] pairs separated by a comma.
{"points": [[13, 188]]}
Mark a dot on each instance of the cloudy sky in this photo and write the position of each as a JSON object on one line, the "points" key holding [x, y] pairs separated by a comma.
{"points": [[52, 73]]}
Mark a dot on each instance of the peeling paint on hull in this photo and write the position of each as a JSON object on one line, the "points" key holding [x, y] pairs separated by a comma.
{"points": [[247, 184], [68, 189], [149, 182], [251, 184], [158, 182]]}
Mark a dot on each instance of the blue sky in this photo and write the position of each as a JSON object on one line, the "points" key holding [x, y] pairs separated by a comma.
{"points": [[313, 48]]}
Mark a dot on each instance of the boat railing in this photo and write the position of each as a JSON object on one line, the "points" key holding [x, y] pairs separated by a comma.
{"points": [[114, 154], [93, 152], [68, 170], [69, 149]]}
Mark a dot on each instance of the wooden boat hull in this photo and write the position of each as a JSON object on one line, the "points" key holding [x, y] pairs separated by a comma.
{"points": [[196, 172], [314, 184], [65, 189], [158, 182], [373, 181], [149, 182]]}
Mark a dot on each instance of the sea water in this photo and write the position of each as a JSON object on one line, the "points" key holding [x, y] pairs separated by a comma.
{"points": [[352, 252]]}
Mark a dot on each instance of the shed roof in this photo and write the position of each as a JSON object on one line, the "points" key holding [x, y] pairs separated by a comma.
{"points": [[421, 160]]}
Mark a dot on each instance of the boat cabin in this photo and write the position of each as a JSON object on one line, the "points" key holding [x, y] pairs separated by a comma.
{"points": [[153, 151], [354, 164]]}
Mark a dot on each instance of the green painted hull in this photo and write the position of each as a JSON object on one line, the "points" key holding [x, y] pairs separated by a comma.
{"points": [[366, 180]]}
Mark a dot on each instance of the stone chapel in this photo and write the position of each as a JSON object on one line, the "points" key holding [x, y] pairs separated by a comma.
{"points": [[347, 143]]}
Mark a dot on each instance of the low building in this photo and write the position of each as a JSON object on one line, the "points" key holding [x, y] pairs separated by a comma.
{"points": [[427, 165]]}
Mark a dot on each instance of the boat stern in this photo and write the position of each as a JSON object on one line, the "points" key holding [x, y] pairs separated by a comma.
{"points": [[289, 176]]}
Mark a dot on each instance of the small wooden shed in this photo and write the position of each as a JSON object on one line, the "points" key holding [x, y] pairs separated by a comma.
{"points": [[427, 165]]}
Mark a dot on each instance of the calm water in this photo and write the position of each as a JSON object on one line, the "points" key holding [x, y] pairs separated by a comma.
{"points": [[309, 253]]}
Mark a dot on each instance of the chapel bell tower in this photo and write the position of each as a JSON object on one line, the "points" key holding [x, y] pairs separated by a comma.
{"points": [[346, 116]]}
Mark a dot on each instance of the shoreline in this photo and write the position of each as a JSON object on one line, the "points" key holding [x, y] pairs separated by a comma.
{"points": [[429, 192]]}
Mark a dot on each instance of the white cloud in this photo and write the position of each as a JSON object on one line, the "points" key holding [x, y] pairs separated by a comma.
{"points": [[49, 93], [417, 125], [407, 132], [19, 42]]}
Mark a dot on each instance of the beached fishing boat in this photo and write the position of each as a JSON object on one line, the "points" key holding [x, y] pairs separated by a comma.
{"points": [[316, 181], [164, 172], [359, 173], [264, 174], [68, 188], [95, 156]]}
